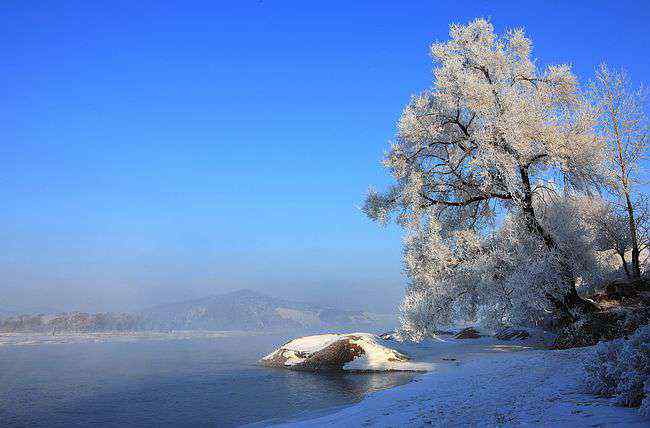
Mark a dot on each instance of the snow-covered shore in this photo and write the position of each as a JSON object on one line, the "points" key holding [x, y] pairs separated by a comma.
{"points": [[485, 382]]}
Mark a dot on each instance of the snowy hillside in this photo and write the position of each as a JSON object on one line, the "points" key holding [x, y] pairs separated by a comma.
{"points": [[249, 310]]}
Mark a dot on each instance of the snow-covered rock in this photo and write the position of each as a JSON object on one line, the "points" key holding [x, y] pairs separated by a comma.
{"points": [[352, 352]]}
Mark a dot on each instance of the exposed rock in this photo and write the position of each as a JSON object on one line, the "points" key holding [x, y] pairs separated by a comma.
{"points": [[619, 289], [468, 333], [443, 332], [355, 352], [510, 333], [389, 335]]}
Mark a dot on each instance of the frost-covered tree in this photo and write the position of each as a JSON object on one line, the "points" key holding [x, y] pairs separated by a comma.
{"points": [[504, 277], [441, 280], [491, 136], [624, 128], [611, 230]]}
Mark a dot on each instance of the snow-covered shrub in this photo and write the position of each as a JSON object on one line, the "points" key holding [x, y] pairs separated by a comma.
{"points": [[621, 368], [602, 326], [428, 304], [644, 409], [422, 313]]}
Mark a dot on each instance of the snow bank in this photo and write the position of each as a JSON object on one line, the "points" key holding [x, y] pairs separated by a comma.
{"points": [[352, 352], [525, 388]]}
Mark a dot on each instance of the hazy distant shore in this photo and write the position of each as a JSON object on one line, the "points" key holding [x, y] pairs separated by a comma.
{"points": [[242, 310], [26, 339]]}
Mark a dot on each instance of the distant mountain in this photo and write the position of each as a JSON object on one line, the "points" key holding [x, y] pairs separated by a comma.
{"points": [[250, 310], [239, 310]]}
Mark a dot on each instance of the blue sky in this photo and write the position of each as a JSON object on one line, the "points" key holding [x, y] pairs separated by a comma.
{"points": [[156, 151]]}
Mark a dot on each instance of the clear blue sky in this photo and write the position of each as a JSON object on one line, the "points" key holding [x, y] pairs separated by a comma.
{"points": [[154, 150]]}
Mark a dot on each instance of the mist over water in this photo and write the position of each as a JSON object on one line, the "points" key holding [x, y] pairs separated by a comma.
{"points": [[192, 382]]}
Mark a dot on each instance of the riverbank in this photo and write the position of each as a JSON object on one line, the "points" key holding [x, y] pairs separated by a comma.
{"points": [[484, 382]]}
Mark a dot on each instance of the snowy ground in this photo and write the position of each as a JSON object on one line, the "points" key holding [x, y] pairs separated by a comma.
{"points": [[486, 383]]}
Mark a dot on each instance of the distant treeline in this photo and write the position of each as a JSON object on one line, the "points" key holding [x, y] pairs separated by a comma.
{"points": [[71, 322]]}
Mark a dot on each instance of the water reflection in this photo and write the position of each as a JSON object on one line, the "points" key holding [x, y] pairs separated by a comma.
{"points": [[352, 385]]}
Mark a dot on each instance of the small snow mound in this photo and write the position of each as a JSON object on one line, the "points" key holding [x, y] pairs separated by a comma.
{"points": [[351, 352]]}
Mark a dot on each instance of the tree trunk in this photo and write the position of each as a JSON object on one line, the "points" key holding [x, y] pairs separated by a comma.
{"points": [[625, 268], [529, 212], [572, 299], [636, 266]]}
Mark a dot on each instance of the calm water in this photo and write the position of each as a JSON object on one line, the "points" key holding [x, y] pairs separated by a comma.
{"points": [[198, 382]]}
